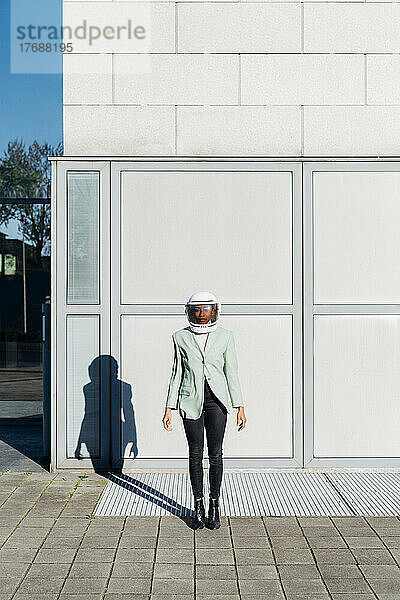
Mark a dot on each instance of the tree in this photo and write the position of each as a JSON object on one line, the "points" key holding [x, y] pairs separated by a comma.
{"points": [[27, 174]]}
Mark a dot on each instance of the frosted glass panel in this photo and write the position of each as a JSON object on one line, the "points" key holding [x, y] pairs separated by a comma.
{"points": [[356, 237], [264, 350], [83, 237], [83, 400], [227, 232], [356, 386]]}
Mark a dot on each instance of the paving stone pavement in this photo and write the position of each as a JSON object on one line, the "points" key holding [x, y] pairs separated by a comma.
{"points": [[52, 548]]}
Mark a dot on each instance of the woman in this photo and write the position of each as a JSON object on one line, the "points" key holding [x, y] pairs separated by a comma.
{"points": [[204, 371]]}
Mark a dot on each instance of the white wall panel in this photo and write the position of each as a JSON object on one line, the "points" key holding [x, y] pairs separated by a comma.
{"points": [[146, 352], [383, 79], [264, 346], [83, 390], [356, 385], [302, 79], [130, 130], [264, 349], [237, 27], [356, 237], [156, 18], [351, 27], [351, 130], [176, 79], [87, 78], [238, 130], [230, 232], [250, 78]]}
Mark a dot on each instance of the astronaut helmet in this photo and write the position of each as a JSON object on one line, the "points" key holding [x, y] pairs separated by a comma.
{"points": [[198, 308]]}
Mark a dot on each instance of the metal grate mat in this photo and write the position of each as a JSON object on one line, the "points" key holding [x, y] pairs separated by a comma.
{"points": [[255, 494]]}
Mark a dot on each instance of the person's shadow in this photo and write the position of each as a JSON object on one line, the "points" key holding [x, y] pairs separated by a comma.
{"points": [[108, 397], [108, 404]]}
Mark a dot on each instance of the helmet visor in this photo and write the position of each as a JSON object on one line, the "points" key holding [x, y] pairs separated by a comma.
{"points": [[201, 314]]}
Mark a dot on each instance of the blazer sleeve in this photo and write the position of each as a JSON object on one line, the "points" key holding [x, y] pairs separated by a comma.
{"points": [[231, 373], [175, 379]]}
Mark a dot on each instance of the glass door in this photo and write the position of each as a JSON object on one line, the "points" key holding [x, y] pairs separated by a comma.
{"points": [[24, 288]]}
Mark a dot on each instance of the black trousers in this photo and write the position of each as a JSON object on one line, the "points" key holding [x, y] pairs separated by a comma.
{"points": [[213, 420]]}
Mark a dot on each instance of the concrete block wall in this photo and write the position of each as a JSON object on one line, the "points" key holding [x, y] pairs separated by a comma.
{"points": [[237, 78]]}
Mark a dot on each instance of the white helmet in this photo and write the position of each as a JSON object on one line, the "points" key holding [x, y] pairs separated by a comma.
{"points": [[209, 302]]}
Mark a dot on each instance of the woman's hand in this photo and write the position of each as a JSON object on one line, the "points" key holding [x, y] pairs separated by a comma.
{"points": [[167, 420], [241, 418]]}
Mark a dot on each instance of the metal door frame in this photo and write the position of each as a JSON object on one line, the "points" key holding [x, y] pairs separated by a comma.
{"points": [[110, 315], [61, 310], [294, 309], [311, 309]]}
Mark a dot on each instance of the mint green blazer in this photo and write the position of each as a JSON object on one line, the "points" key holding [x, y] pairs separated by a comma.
{"points": [[218, 364]]}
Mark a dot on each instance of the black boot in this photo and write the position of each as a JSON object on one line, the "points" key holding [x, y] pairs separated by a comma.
{"points": [[199, 514], [213, 514]]}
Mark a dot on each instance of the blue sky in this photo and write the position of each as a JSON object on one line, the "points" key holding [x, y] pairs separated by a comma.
{"points": [[30, 104]]}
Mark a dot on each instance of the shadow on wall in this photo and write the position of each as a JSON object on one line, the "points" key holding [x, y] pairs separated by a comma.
{"points": [[103, 373]]}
